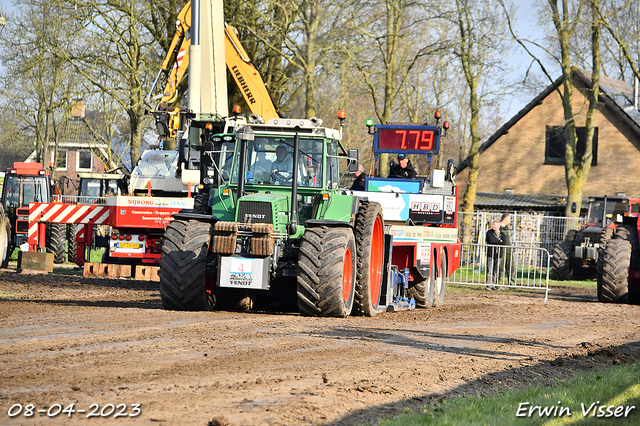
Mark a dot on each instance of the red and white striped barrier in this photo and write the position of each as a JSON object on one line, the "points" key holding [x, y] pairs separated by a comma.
{"points": [[64, 213]]}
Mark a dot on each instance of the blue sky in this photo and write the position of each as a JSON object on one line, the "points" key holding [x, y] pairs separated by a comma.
{"points": [[526, 27]]}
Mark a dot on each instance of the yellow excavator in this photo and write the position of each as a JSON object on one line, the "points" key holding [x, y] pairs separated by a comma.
{"points": [[243, 71]]}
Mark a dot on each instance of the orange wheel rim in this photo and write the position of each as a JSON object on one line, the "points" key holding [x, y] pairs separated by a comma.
{"points": [[347, 275], [375, 263]]}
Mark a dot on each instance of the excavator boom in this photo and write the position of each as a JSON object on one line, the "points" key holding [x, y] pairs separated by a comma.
{"points": [[243, 71]]}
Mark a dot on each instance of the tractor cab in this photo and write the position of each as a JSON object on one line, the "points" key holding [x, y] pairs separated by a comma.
{"points": [[604, 210], [95, 186], [24, 183]]}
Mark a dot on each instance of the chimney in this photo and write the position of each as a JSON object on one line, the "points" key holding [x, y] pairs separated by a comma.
{"points": [[77, 109]]}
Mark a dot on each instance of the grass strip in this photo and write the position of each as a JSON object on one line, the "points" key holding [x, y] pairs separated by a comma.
{"points": [[606, 396]]}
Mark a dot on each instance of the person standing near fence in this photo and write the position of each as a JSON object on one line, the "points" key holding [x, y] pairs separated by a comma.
{"points": [[507, 264], [494, 237]]}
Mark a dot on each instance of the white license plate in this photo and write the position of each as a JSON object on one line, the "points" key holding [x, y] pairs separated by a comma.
{"points": [[242, 272]]}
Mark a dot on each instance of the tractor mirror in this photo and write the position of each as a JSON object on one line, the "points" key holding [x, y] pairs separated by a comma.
{"points": [[353, 160]]}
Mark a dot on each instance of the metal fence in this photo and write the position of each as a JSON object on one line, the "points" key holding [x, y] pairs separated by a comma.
{"points": [[526, 230], [516, 267]]}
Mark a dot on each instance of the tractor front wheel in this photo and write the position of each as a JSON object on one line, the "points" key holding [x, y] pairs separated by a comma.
{"points": [[561, 261], [613, 285], [182, 266], [56, 241], [72, 244], [369, 231], [327, 272]]}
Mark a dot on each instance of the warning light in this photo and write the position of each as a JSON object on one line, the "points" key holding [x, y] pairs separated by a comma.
{"points": [[342, 115], [236, 109]]}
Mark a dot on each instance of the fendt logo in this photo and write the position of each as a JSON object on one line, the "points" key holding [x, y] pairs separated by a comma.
{"points": [[249, 217]]}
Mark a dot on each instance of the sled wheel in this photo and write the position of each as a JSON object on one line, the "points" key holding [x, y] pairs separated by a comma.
{"points": [[438, 278]]}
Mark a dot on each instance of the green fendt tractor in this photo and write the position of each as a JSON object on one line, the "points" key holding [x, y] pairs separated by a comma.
{"points": [[282, 234]]}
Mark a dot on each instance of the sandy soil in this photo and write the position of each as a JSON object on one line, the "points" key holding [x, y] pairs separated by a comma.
{"points": [[67, 339]]}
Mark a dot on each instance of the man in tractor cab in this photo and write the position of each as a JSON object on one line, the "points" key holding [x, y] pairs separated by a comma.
{"points": [[282, 168], [403, 169]]}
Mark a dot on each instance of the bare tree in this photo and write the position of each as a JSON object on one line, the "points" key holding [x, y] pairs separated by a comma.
{"points": [[120, 49], [38, 84], [480, 50]]}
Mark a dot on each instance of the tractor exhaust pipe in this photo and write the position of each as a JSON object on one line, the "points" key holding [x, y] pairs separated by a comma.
{"points": [[245, 134], [292, 226]]}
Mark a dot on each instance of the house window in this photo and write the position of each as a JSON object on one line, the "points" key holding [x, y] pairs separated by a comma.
{"points": [[84, 161], [556, 145], [61, 160]]}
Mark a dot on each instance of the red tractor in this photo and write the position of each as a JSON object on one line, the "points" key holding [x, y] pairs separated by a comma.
{"points": [[619, 259], [578, 256], [25, 183]]}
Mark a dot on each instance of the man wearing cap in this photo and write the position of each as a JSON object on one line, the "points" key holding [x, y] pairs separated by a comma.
{"points": [[403, 170], [358, 183]]}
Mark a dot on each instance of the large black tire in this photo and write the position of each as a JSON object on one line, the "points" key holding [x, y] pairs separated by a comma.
{"points": [[72, 245], [613, 285], [561, 268], [605, 235], [5, 243], [201, 203], [369, 234], [571, 235], [182, 266], [327, 272], [419, 290], [56, 243], [630, 233], [436, 292]]}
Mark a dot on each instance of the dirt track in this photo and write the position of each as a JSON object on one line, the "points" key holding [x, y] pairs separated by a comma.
{"points": [[93, 341]]}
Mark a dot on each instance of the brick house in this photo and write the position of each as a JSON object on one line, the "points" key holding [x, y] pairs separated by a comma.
{"points": [[524, 159], [78, 151]]}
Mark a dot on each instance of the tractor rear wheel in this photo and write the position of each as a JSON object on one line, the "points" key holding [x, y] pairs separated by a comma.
{"points": [[369, 234], [5, 243], [327, 272], [561, 261], [56, 241], [436, 292], [182, 266], [613, 285], [72, 245]]}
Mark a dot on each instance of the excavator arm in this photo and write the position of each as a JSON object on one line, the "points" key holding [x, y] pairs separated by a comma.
{"points": [[243, 71]]}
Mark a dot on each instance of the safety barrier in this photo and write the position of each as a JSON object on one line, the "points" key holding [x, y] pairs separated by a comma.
{"points": [[527, 230], [518, 267]]}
